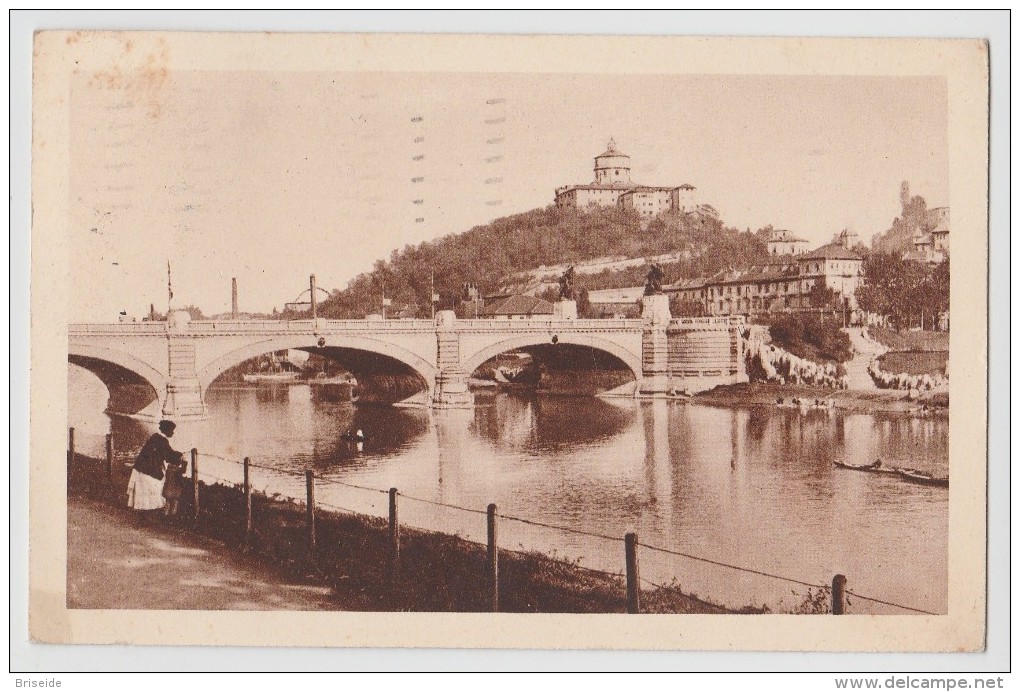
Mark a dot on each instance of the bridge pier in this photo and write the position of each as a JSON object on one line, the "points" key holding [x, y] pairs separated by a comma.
{"points": [[183, 390], [655, 317], [451, 390]]}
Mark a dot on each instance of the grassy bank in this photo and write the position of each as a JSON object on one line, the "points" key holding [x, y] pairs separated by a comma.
{"points": [[437, 573], [914, 362], [910, 341], [757, 393]]}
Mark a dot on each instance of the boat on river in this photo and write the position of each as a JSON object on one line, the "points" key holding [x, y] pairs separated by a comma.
{"points": [[907, 474], [281, 377], [343, 388], [922, 477], [516, 372], [875, 467], [274, 368]]}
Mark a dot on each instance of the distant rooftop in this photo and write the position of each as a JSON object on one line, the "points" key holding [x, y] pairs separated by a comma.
{"points": [[830, 251], [521, 305], [785, 236], [611, 150]]}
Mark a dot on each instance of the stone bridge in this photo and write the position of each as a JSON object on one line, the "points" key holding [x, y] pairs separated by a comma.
{"points": [[174, 362]]}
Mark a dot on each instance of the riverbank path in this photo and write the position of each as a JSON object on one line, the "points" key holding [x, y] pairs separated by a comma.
{"points": [[114, 563], [866, 349]]}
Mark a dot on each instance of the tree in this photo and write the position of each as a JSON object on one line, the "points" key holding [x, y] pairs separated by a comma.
{"points": [[583, 304], [680, 307], [489, 256], [905, 291], [822, 296], [195, 312]]}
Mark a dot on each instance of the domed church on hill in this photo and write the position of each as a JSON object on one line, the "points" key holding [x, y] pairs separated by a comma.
{"points": [[613, 187]]}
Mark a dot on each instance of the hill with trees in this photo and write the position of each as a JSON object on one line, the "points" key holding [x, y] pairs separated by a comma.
{"points": [[488, 254], [913, 217]]}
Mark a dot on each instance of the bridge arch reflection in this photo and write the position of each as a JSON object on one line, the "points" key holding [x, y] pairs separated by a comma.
{"points": [[360, 355], [132, 384], [629, 359]]}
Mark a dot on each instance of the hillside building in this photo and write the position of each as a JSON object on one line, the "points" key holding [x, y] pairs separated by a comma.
{"points": [[613, 187], [783, 242], [931, 241], [520, 307], [616, 302]]}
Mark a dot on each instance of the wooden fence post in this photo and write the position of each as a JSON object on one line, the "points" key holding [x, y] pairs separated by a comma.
{"points": [[839, 595], [109, 459], [194, 483], [633, 576], [310, 509], [70, 455], [492, 555], [247, 500], [394, 565]]}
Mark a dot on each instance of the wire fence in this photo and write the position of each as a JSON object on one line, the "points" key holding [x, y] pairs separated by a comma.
{"points": [[89, 441]]}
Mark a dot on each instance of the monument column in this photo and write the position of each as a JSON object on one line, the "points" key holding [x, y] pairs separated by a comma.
{"points": [[183, 390], [451, 390], [565, 309]]}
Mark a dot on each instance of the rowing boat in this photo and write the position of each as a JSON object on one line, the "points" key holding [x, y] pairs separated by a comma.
{"points": [[922, 477], [869, 468]]}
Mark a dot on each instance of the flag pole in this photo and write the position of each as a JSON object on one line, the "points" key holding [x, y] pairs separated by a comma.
{"points": [[432, 292], [169, 290]]}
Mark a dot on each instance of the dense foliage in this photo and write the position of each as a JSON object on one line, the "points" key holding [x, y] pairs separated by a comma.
{"points": [[487, 255], [809, 336], [909, 293], [913, 217]]}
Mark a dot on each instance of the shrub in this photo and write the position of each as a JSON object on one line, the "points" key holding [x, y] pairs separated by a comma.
{"points": [[806, 336]]}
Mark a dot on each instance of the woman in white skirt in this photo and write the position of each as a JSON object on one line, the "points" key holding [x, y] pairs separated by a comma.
{"points": [[145, 488]]}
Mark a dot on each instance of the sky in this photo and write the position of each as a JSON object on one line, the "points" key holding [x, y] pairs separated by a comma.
{"points": [[270, 177]]}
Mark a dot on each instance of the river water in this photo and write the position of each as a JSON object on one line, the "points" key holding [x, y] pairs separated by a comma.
{"points": [[752, 487]]}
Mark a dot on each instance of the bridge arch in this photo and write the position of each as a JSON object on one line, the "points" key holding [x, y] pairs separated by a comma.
{"points": [[425, 370], [119, 371], [629, 358]]}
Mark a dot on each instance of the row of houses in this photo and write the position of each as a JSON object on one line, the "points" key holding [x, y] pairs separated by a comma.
{"points": [[785, 283]]}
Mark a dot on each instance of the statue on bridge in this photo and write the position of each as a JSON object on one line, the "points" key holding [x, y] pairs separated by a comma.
{"points": [[653, 284], [567, 285]]}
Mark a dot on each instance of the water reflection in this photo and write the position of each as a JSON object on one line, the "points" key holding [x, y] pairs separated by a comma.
{"points": [[749, 486], [545, 424]]}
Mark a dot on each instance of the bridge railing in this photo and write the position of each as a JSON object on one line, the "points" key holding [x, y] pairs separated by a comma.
{"points": [[541, 324], [291, 326], [135, 328], [204, 327]]}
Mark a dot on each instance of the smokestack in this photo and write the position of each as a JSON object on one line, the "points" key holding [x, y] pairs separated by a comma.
{"points": [[311, 293], [233, 298]]}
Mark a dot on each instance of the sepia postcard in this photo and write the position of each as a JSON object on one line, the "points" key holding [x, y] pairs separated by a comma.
{"points": [[478, 341]]}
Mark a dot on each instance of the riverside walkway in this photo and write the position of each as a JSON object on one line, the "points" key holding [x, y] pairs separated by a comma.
{"points": [[114, 563], [866, 349]]}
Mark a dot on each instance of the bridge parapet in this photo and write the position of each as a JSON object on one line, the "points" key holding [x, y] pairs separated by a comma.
{"points": [[273, 327], [117, 329], [706, 322], [544, 325]]}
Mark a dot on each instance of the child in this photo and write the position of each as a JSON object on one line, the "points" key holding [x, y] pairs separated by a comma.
{"points": [[173, 487]]}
